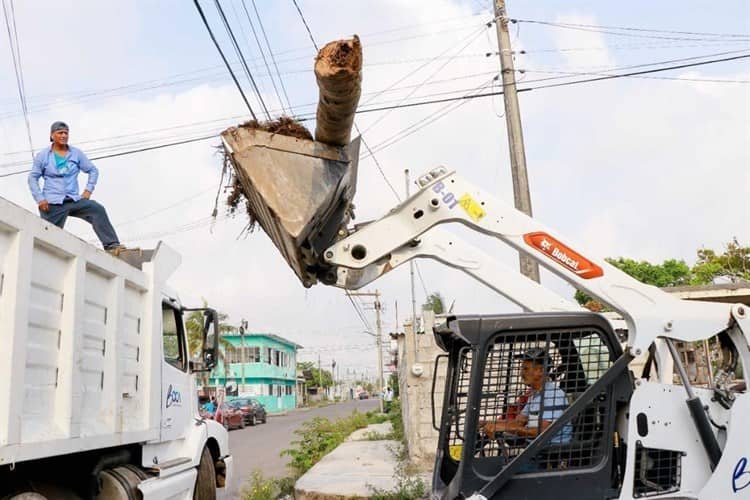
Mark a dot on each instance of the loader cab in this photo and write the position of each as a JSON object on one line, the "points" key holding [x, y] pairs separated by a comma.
{"points": [[581, 457]]}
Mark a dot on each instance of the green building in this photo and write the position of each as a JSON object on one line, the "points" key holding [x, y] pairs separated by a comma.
{"points": [[261, 365]]}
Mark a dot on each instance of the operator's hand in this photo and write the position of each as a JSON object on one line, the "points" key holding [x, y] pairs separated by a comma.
{"points": [[86, 195], [44, 206]]}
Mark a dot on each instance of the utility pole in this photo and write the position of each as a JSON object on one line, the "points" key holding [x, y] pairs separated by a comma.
{"points": [[378, 328], [411, 275], [243, 327], [521, 195], [378, 335], [320, 375]]}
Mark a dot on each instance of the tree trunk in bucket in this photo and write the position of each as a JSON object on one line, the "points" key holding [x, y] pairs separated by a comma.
{"points": [[338, 70]]}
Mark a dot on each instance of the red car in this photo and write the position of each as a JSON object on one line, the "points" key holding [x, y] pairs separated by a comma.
{"points": [[252, 410], [229, 416]]}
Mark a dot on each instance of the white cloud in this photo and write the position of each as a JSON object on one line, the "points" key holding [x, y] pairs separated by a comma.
{"points": [[648, 169]]}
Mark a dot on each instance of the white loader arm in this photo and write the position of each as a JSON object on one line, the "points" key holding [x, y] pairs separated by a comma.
{"points": [[445, 197], [454, 252]]}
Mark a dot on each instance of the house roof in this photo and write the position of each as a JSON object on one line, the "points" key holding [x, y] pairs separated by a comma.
{"points": [[266, 335], [724, 292]]}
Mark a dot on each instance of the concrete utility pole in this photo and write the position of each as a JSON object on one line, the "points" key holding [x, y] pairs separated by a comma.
{"points": [[411, 272], [521, 196], [378, 328], [243, 328], [378, 335]]}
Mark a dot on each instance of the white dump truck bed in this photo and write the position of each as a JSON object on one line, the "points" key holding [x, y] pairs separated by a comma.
{"points": [[79, 341]]}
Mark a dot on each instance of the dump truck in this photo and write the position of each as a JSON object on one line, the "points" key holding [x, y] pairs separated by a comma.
{"points": [[98, 397], [597, 430]]}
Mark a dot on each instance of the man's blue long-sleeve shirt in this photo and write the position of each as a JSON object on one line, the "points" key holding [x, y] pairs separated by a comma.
{"points": [[60, 183]]}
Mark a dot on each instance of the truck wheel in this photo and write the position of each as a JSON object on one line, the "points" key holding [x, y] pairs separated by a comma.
{"points": [[252, 420], [205, 483], [28, 496], [242, 423]]}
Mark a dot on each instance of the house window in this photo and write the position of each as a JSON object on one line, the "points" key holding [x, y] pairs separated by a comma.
{"points": [[254, 355], [288, 390], [270, 389], [268, 359]]}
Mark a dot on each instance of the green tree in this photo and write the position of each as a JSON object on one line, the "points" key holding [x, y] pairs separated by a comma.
{"points": [[671, 272], [733, 264], [434, 303], [320, 378], [194, 322]]}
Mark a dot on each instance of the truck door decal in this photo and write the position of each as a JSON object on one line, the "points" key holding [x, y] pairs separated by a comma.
{"points": [[740, 476], [173, 397]]}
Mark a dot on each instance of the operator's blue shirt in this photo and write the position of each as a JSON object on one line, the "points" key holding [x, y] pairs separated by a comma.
{"points": [[548, 404], [60, 180]]}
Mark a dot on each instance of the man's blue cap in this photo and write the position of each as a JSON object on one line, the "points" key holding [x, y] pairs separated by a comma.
{"points": [[58, 126]]}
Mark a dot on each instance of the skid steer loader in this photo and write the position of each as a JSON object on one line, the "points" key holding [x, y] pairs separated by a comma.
{"points": [[598, 432]]}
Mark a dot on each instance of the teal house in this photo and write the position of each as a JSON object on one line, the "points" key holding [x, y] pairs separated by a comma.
{"points": [[261, 365]]}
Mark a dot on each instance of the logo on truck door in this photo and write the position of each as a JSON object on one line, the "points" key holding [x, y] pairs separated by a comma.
{"points": [[174, 398], [563, 255]]}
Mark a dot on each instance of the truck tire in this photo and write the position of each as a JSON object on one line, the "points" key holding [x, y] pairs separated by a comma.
{"points": [[253, 421], [205, 483]]}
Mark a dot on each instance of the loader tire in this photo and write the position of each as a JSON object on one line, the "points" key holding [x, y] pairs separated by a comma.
{"points": [[205, 483]]}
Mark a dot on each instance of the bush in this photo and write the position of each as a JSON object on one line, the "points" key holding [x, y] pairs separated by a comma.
{"points": [[319, 436], [262, 488]]}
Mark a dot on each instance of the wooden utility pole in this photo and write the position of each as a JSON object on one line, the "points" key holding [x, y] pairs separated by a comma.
{"points": [[521, 195]]}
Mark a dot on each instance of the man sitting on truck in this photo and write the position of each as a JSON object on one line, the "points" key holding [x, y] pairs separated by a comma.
{"points": [[545, 404], [59, 165]]}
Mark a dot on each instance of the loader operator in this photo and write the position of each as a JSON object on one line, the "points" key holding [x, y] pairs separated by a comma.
{"points": [[546, 402], [59, 165]]}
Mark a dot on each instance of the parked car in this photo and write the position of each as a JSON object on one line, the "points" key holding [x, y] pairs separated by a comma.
{"points": [[229, 416], [364, 395], [252, 411]]}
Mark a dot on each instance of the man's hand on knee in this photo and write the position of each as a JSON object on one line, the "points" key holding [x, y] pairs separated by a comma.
{"points": [[44, 206], [86, 195]]}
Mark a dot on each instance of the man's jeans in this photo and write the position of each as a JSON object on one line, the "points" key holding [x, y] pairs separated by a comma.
{"points": [[88, 210]]}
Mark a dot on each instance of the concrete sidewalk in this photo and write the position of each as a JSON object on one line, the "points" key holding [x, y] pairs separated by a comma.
{"points": [[353, 469]]}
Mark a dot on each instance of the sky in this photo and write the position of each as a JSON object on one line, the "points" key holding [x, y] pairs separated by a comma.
{"points": [[646, 168]]}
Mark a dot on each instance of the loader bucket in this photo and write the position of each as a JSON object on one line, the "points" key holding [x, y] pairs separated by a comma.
{"points": [[300, 192]]}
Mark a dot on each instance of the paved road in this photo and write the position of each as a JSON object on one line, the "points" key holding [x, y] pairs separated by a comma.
{"points": [[258, 447]]}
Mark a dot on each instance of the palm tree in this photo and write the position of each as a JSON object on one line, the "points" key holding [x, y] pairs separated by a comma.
{"points": [[194, 327]]}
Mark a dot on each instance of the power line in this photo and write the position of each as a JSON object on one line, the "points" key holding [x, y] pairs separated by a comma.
{"points": [[164, 209], [630, 28], [241, 57], [270, 52], [438, 101], [15, 51], [304, 21], [223, 58]]}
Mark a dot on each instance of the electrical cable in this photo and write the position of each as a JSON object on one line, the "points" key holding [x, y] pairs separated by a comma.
{"points": [[630, 28], [430, 76], [437, 101], [304, 21], [262, 53], [15, 52], [273, 58], [223, 58], [237, 49]]}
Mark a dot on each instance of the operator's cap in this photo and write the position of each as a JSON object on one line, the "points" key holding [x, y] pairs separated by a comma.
{"points": [[536, 355], [58, 126]]}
